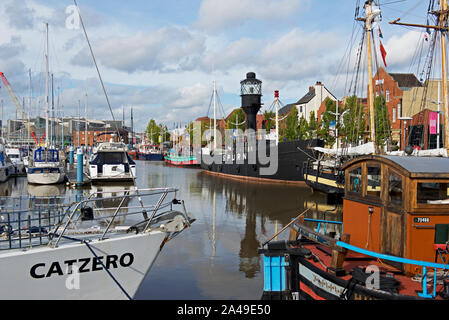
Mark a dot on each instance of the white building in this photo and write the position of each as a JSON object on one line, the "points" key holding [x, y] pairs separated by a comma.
{"points": [[312, 100]]}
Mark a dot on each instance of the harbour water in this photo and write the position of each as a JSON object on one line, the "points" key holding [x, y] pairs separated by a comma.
{"points": [[217, 258]]}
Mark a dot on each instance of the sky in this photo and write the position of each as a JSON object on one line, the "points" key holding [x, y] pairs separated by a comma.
{"points": [[160, 57]]}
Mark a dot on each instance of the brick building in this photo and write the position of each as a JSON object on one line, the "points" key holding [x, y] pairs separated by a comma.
{"points": [[393, 86]]}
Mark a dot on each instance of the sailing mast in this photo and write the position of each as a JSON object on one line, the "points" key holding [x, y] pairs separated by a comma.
{"points": [[370, 16], [442, 15], [46, 89]]}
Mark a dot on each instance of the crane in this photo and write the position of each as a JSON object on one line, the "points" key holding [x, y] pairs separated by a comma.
{"points": [[18, 105]]}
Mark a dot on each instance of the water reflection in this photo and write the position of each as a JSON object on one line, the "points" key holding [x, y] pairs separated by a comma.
{"points": [[217, 258], [106, 208]]}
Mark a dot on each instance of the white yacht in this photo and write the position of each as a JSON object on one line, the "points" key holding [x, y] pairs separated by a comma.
{"points": [[111, 162], [89, 249], [46, 167], [16, 158]]}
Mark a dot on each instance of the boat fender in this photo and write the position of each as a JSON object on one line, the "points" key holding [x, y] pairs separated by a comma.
{"points": [[176, 201], [87, 214], [175, 225]]}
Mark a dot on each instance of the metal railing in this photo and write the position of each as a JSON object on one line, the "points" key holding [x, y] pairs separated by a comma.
{"points": [[75, 213], [34, 221]]}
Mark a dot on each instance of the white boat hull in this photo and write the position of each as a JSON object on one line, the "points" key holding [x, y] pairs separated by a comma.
{"points": [[46, 178], [42, 273]]}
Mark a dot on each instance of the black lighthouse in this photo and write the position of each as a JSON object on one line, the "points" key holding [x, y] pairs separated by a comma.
{"points": [[251, 93]]}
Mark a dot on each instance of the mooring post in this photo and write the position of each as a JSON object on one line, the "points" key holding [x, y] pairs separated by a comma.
{"points": [[79, 171], [71, 155]]}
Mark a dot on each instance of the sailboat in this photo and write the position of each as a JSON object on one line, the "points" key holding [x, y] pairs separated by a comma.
{"points": [[393, 238], [324, 173], [46, 166]]}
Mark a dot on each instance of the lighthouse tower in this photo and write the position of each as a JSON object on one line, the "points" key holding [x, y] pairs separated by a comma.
{"points": [[251, 93]]}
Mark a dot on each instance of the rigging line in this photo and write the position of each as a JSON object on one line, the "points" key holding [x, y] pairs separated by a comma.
{"points": [[109, 105], [210, 103], [96, 66]]}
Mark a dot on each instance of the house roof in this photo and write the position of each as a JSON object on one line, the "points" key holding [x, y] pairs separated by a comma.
{"points": [[406, 80], [308, 96], [286, 109]]}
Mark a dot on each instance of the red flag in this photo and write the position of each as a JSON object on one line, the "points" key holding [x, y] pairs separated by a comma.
{"points": [[383, 52]]}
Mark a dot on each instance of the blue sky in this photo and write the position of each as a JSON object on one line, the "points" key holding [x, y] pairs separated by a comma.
{"points": [[161, 57]]}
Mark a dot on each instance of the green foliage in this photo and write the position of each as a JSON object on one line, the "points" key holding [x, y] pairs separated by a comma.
{"points": [[291, 130], [153, 131], [204, 127], [312, 126], [303, 128], [354, 121], [326, 118], [237, 120], [270, 118], [381, 121]]}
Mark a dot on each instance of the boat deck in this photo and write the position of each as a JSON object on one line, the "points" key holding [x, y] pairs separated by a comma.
{"points": [[321, 259]]}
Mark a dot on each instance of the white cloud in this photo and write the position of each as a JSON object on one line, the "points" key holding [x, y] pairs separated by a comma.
{"points": [[217, 14], [166, 50]]}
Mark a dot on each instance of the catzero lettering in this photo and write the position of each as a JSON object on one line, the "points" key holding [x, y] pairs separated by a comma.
{"points": [[56, 268]]}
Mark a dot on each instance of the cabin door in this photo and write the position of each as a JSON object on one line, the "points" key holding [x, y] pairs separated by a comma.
{"points": [[393, 233]]}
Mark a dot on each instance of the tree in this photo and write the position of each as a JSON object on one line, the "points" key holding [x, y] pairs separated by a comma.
{"points": [[326, 118], [291, 130], [303, 128], [354, 121], [191, 130], [270, 119], [381, 121], [312, 126], [153, 131], [237, 120]]}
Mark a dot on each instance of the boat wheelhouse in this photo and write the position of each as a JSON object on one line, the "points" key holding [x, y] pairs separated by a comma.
{"points": [[395, 223], [15, 156], [111, 162], [46, 167]]}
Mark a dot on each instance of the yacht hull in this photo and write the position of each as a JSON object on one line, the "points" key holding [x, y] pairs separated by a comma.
{"points": [[45, 178], [44, 273]]}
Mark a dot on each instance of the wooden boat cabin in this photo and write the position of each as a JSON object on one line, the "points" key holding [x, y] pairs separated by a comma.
{"points": [[393, 203], [395, 221]]}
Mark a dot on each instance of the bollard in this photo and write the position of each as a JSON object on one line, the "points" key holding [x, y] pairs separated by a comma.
{"points": [[79, 170], [71, 155]]}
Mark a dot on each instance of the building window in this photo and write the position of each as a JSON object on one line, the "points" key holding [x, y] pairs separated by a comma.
{"points": [[300, 109], [394, 115], [387, 96], [399, 110]]}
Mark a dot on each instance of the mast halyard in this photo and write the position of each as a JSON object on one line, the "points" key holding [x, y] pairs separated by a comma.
{"points": [[442, 15], [215, 115]]}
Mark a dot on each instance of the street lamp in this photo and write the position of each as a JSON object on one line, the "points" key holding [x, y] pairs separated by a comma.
{"points": [[405, 126]]}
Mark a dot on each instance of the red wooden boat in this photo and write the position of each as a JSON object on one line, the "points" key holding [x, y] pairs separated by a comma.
{"points": [[391, 244]]}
